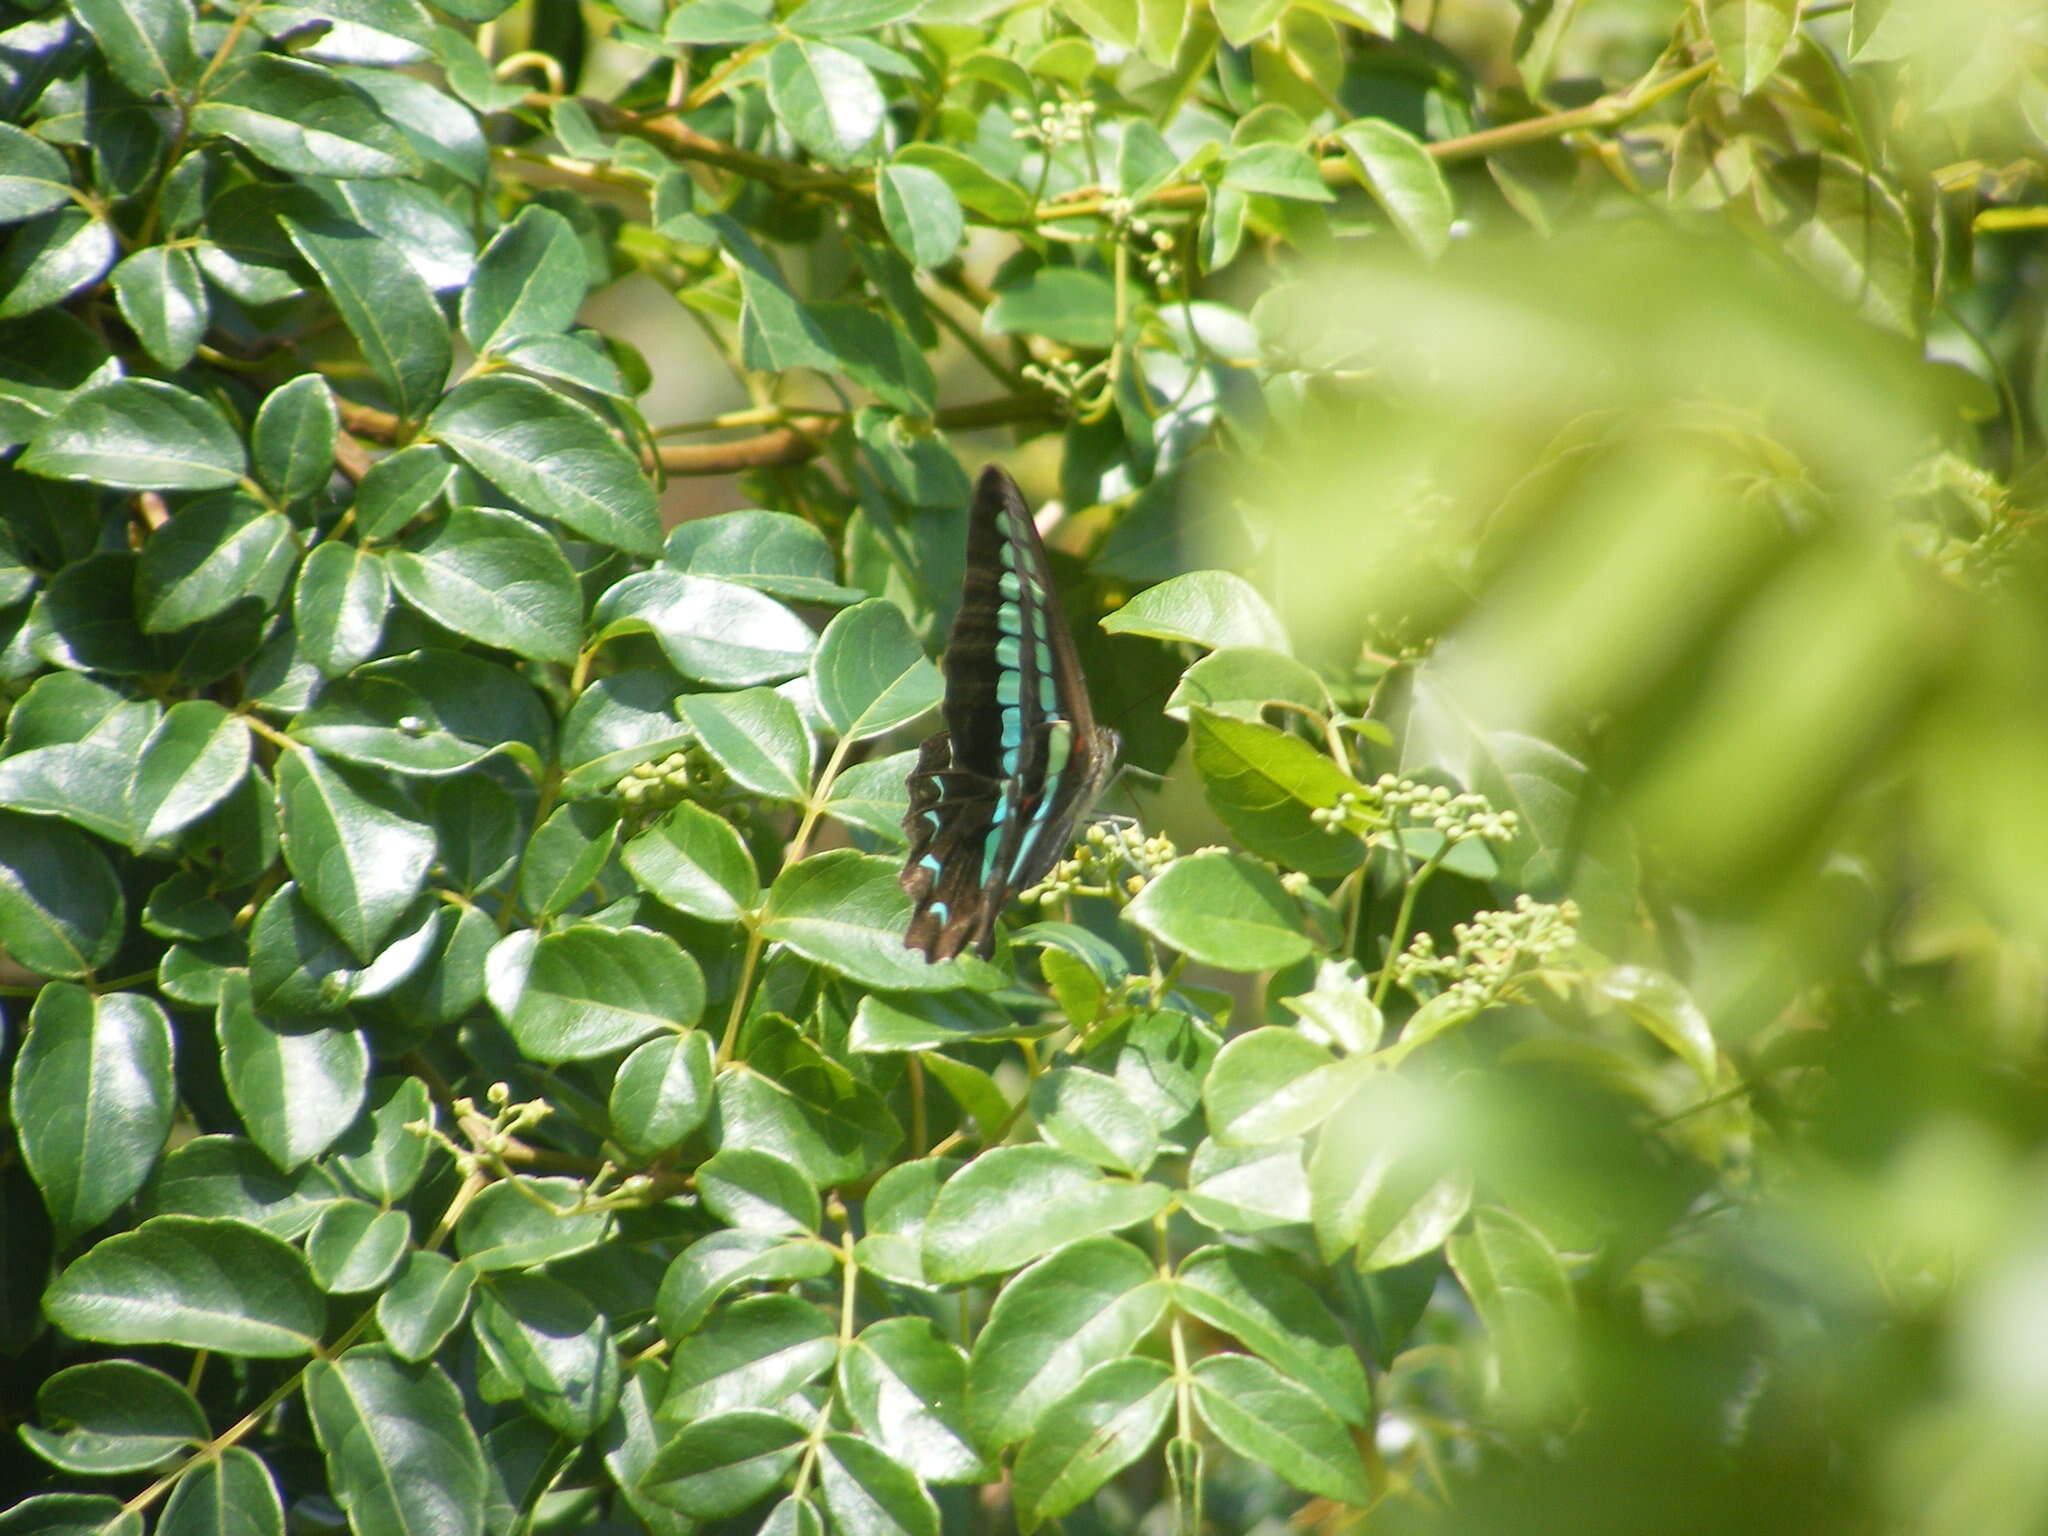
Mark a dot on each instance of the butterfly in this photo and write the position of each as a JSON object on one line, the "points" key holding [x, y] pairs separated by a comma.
{"points": [[995, 795]]}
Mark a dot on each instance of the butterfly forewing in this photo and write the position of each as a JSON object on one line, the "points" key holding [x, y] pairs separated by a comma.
{"points": [[994, 796]]}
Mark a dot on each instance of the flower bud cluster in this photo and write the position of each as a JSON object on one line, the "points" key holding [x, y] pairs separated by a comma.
{"points": [[657, 785], [1057, 123], [1066, 378], [1493, 949], [1111, 857], [1457, 818]]}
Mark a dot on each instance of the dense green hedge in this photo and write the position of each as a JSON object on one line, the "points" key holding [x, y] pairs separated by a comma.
{"points": [[1554, 490]]}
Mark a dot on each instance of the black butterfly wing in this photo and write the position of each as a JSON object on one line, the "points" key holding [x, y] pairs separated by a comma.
{"points": [[994, 796]]}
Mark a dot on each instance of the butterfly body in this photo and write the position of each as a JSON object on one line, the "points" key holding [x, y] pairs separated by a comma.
{"points": [[995, 795]]}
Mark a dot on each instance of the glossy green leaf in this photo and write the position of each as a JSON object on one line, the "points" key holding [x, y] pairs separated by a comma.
{"points": [[1241, 681], [1272, 1084], [921, 214], [228, 1176], [517, 1225], [359, 851], [1223, 910], [720, 1465], [138, 434], [662, 1092], [428, 712], [530, 281], [303, 120], [231, 1492], [718, 21], [425, 1304], [747, 1188], [91, 1099], [219, 553], [756, 736], [907, 1390], [869, 674], [354, 1247], [1339, 1011], [201, 1284], [296, 1086], [1277, 170], [1087, 1114], [163, 297], [402, 1457], [148, 42], [695, 862], [1262, 1415], [1071, 305], [1750, 36], [1208, 608], [994, 197], [587, 991], [1273, 1313], [1519, 1288], [869, 1492], [293, 439], [387, 307], [495, 578], [845, 911], [111, 1416], [827, 98], [715, 1264], [1015, 1204], [1266, 783], [771, 552], [399, 487], [1668, 1011], [1382, 1179], [33, 176], [553, 456], [377, 1154], [339, 606], [751, 1354], [806, 1108], [547, 1337], [566, 853], [1247, 1189], [1404, 180], [872, 796], [1107, 1422], [61, 909]]}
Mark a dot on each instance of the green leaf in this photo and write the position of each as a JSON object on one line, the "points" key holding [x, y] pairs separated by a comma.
{"points": [[1223, 910], [662, 1092], [1265, 783], [359, 851], [495, 578], [232, 1491], [425, 1304], [1015, 1204], [713, 1265], [33, 176], [92, 1098], [518, 1223], [553, 456], [1207, 608], [1089, 1115], [218, 552], [1851, 232], [1272, 1085], [339, 606], [293, 439], [796, 1102], [752, 1354], [757, 737], [1381, 1180], [61, 910], [555, 1344], [995, 198], [354, 1247], [399, 487], [771, 552], [1247, 1189], [530, 281], [1071, 305], [926, 1021], [113, 1416], [71, 1514], [1280, 1424], [402, 1458], [386, 306], [148, 43], [198, 755], [587, 991], [920, 213], [1114, 22], [907, 1390], [747, 1188], [1277, 170], [430, 712], [1668, 1011], [1280, 1319], [1339, 1010], [228, 1176], [717, 22], [826, 97], [566, 853], [303, 120], [1750, 37], [872, 796], [140, 435], [697, 863], [1240, 681], [1102, 1426], [1244, 21], [1520, 1290], [845, 911], [377, 1154], [163, 298], [1404, 179], [194, 1283], [823, 18], [869, 673], [295, 1085], [868, 1492], [718, 1466]]}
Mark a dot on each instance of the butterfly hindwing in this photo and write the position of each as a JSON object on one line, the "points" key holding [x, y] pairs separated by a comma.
{"points": [[995, 795]]}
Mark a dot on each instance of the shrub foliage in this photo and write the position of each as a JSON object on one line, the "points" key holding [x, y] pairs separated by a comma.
{"points": [[1559, 492]]}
